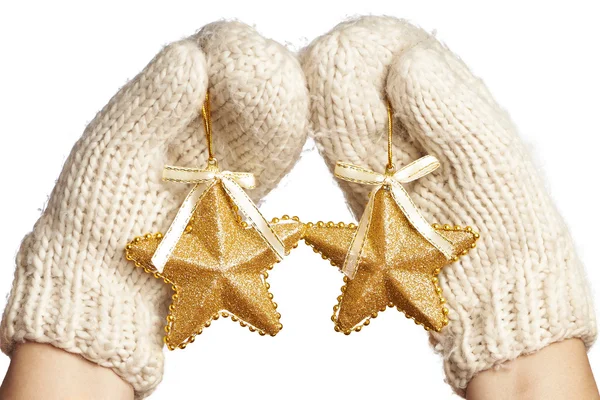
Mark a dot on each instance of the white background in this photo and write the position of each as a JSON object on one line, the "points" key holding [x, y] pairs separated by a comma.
{"points": [[61, 62]]}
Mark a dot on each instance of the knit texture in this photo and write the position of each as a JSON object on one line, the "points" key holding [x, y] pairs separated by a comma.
{"points": [[523, 287], [73, 287]]}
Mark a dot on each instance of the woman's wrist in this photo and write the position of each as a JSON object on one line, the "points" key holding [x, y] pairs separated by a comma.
{"points": [[559, 371], [40, 368]]}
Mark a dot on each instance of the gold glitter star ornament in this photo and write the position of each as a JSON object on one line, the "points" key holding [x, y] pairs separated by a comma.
{"points": [[215, 261], [397, 266], [393, 257]]}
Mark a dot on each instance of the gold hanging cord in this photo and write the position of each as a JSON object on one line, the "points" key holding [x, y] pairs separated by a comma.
{"points": [[208, 129], [390, 165]]}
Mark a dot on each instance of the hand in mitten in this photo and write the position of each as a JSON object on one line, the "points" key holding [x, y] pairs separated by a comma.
{"points": [[523, 287], [73, 287]]}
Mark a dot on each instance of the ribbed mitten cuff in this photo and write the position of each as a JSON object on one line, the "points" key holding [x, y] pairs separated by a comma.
{"points": [[97, 313], [530, 307]]}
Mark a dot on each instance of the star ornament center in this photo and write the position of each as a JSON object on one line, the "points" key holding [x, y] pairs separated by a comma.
{"points": [[218, 268], [398, 267]]}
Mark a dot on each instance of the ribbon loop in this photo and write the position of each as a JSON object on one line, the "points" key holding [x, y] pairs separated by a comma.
{"points": [[417, 169], [411, 172], [234, 183], [357, 174]]}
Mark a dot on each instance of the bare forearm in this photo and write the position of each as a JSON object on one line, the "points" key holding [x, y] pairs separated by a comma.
{"points": [[561, 371], [39, 368]]}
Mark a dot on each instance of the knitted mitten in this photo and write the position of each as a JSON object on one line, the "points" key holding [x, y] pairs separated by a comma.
{"points": [[523, 287], [73, 287]]}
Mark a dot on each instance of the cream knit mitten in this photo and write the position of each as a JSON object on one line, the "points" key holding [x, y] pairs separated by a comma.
{"points": [[523, 287], [73, 287]]}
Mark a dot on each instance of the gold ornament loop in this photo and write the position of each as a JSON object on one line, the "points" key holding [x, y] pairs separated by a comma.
{"points": [[208, 129], [390, 167]]}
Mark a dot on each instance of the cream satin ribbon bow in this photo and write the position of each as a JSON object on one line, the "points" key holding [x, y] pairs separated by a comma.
{"points": [[413, 171], [234, 183]]}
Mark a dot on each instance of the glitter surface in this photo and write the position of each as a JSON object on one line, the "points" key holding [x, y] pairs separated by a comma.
{"points": [[218, 268], [398, 267]]}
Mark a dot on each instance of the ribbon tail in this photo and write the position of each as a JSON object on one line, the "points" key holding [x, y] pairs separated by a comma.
{"points": [[417, 220], [247, 206], [358, 241], [169, 241]]}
